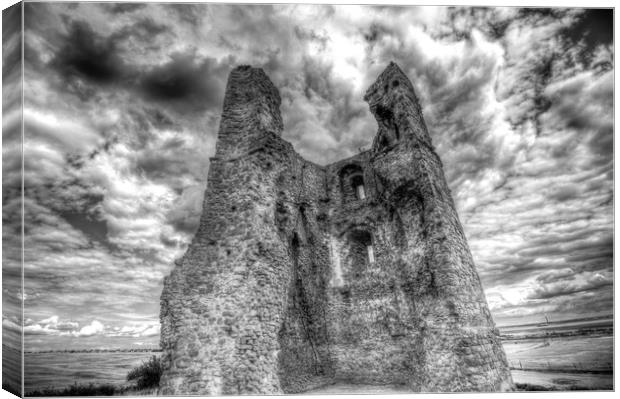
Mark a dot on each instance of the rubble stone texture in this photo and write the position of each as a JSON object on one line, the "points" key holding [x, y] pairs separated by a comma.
{"points": [[301, 275]]}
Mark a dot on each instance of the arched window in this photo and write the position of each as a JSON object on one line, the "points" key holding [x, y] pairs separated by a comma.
{"points": [[352, 184]]}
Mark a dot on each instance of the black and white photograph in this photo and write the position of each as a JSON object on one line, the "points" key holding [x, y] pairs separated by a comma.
{"points": [[212, 199]]}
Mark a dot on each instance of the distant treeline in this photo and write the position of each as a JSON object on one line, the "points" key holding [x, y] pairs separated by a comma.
{"points": [[591, 332], [97, 350], [555, 322], [563, 367]]}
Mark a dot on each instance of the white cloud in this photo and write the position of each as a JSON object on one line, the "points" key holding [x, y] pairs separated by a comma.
{"points": [[11, 325], [50, 320], [151, 331], [93, 328], [60, 131], [137, 330]]}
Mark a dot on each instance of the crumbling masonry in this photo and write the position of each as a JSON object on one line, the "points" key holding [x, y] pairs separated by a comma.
{"points": [[300, 275]]}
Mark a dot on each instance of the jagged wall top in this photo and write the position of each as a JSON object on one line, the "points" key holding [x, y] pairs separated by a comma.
{"points": [[378, 92], [252, 109], [395, 106]]}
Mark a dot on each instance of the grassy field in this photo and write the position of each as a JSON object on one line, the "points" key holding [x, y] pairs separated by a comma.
{"points": [[58, 370], [11, 370], [565, 355], [568, 354], [553, 381]]}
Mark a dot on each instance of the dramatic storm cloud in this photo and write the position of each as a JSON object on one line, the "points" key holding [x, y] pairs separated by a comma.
{"points": [[122, 106]]}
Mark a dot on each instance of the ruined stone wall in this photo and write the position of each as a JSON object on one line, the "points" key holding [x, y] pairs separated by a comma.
{"points": [[297, 276], [304, 356], [367, 313]]}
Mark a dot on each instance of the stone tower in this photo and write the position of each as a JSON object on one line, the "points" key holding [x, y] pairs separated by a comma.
{"points": [[300, 275]]}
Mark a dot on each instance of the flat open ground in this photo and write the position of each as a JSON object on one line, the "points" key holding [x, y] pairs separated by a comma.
{"points": [[581, 353], [541, 357], [551, 381], [564, 381], [351, 389], [565, 353]]}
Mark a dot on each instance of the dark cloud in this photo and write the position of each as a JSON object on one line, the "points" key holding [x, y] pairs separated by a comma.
{"points": [[563, 248], [87, 223], [88, 55], [602, 143], [11, 42], [145, 29], [538, 12], [318, 80], [497, 28], [547, 291], [11, 20], [187, 13], [345, 107], [595, 258], [563, 254], [122, 8], [11, 158], [594, 27], [595, 301], [492, 21], [158, 165], [375, 32], [540, 78], [555, 275], [513, 270], [11, 252], [187, 83]]}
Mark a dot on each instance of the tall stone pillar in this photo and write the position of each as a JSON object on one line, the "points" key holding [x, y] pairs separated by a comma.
{"points": [[221, 305], [459, 345]]}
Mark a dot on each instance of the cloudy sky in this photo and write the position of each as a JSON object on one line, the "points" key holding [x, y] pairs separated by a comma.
{"points": [[122, 106]]}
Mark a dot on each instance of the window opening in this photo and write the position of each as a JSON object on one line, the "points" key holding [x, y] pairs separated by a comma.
{"points": [[358, 184], [352, 184], [361, 194], [371, 253]]}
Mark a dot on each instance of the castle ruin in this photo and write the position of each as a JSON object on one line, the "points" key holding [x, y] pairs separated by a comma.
{"points": [[301, 275]]}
